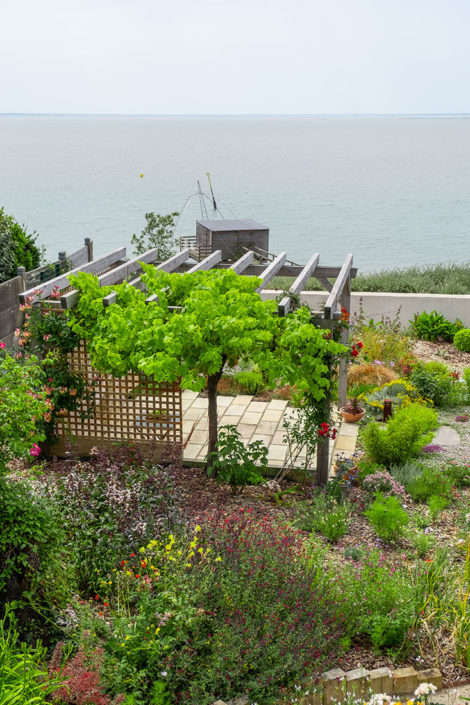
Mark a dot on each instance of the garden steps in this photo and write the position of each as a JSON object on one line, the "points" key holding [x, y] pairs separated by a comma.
{"points": [[255, 420]]}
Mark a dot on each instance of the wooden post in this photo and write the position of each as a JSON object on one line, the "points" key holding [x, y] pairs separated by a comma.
{"points": [[62, 257], [89, 245], [345, 302], [323, 461]]}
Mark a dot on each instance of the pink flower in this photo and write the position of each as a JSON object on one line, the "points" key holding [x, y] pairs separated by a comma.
{"points": [[2, 346], [35, 450]]}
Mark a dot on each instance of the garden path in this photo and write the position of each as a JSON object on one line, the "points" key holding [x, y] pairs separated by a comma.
{"points": [[255, 420]]}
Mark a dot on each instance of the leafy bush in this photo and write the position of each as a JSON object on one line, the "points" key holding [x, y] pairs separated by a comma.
{"points": [[403, 437], [82, 683], [388, 517], [459, 475], [29, 543], [433, 381], [400, 391], [23, 675], [430, 482], [434, 326], [23, 404], [236, 463], [384, 615], [437, 504], [462, 340], [249, 381], [466, 376], [422, 542], [17, 247], [324, 515], [406, 472]]}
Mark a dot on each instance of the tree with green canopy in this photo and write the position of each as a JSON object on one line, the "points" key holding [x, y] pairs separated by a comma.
{"points": [[221, 318]]}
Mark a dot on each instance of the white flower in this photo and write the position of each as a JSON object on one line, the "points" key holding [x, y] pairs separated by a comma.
{"points": [[425, 689], [163, 673]]}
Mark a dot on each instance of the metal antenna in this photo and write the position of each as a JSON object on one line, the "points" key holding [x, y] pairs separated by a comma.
{"points": [[212, 193], [202, 203]]}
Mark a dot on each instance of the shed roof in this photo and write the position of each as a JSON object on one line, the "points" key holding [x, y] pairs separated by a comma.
{"points": [[229, 225]]}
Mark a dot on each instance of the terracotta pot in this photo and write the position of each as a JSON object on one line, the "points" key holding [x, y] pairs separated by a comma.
{"points": [[352, 418]]}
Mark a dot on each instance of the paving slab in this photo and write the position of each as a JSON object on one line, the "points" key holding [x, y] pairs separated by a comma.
{"points": [[446, 436]]}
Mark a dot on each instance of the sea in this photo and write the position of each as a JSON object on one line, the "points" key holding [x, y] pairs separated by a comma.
{"points": [[392, 190]]}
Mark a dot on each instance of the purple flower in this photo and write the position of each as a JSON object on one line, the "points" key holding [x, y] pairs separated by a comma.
{"points": [[432, 448], [462, 418], [35, 450], [377, 362], [392, 364]]}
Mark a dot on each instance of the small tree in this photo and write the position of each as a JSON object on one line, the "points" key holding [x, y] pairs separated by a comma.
{"points": [[17, 247], [222, 318], [159, 232]]}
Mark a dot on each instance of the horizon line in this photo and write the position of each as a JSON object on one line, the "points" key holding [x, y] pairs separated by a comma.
{"points": [[219, 115]]}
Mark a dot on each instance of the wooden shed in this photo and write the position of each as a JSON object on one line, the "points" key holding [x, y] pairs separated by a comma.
{"points": [[232, 237]]}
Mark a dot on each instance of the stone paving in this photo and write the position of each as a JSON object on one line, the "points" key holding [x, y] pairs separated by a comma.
{"points": [[255, 420]]}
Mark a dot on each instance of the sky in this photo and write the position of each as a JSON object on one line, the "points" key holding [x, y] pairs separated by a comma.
{"points": [[235, 56]]}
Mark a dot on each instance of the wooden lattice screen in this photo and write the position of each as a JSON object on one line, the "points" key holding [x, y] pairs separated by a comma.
{"points": [[130, 408]]}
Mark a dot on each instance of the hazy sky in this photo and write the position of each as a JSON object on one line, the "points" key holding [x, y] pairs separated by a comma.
{"points": [[235, 56]]}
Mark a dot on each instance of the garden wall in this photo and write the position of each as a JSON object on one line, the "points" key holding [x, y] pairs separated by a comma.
{"points": [[376, 304]]}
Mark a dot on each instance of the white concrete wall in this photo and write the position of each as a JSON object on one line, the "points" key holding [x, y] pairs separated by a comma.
{"points": [[376, 304]]}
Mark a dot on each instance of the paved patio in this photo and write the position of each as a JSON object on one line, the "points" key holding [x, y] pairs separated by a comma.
{"points": [[255, 420]]}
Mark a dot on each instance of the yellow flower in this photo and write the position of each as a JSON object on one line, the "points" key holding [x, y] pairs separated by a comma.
{"points": [[218, 559], [198, 528]]}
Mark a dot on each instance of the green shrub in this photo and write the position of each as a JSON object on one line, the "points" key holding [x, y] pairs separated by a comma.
{"points": [[433, 381], [406, 472], [29, 542], [430, 482], [17, 247], [466, 376], [434, 326], [402, 438], [236, 463], [24, 679], [462, 340], [400, 391], [324, 515], [422, 542], [459, 475], [437, 504], [388, 517], [249, 381], [384, 615]]}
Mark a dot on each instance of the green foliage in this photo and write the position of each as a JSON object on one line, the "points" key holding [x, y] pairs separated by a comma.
{"points": [[17, 247], [404, 435], [388, 517], [427, 279], [24, 679], [400, 391], [238, 464], [422, 542], [28, 542], [459, 475], [384, 615], [158, 232], [433, 381], [430, 482], [466, 376], [250, 381], [462, 340], [23, 403], [434, 326], [437, 504], [324, 515], [405, 473]]}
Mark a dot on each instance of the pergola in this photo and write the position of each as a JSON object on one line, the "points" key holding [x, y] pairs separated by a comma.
{"points": [[111, 269]]}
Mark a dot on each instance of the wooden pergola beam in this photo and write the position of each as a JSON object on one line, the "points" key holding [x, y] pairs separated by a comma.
{"points": [[270, 272], [115, 275], [337, 290], [287, 270], [241, 264], [207, 263], [63, 280], [286, 303]]}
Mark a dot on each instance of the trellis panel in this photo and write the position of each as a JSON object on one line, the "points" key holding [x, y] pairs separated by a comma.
{"points": [[131, 408]]}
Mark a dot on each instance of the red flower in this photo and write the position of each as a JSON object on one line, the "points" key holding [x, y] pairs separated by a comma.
{"points": [[354, 352]]}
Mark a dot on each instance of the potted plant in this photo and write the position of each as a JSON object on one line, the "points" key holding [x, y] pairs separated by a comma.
{"points": [[352, 412]]}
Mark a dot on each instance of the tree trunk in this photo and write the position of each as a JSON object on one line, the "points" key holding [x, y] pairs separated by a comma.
{"points": [[212, 382]]}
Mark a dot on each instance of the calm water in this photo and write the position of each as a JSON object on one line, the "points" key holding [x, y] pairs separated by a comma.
{"points": [[394, 191]]}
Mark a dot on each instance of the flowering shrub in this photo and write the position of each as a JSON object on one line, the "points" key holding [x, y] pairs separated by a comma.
{"points": [[401, 392], [383, 482], [23, 403], [45, 333], [80, 677], [238, 606]]}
